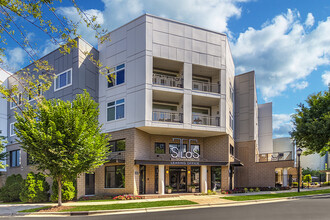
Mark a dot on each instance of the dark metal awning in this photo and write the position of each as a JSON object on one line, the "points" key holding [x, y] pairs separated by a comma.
{"points": [[237, 163], [180, 162]]}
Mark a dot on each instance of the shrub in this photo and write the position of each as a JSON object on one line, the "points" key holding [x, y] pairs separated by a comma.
{"points": [[257, 189], [251, 190], [126, 197], [10, 191], [68, 191], [34, 188], [295, 184], [210, 192], [246, 190]]}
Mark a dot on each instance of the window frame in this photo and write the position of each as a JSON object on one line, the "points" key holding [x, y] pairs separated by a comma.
{"points": [[115, 145], [115, 78], [18, 158], [231, 150], [105, 177], [18, 99], [164, 147], [59, 74], [231, 120], [12, 129], [115, 106]]}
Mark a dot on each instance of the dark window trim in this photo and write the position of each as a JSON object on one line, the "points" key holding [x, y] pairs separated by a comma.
{"points": [[105, 175], [164, 147], [18, 158]]}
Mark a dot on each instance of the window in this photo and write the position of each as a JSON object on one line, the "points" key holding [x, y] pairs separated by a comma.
{"points": [[14, 159], [116, 110], [18, 100], [12, 129], [184, 147], [231, 120], [30, 160], [195, 148], [215, 178], [115, 176], [63, 79], [118, 145], [116, 75], [160, 148], [231, 150], [32, 93], [231, 92]]}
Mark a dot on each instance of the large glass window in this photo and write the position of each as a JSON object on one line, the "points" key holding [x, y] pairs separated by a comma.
{"points": [[215, 178], [183, 149], [12, 129], [195, 148], [231, 120], [117, 145], [15, 159], [116, 75], [116, 110], [63, 79], [160, 148], [115, 176], [195, 178]]}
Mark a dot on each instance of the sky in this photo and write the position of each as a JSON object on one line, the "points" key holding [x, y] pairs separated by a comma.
{"points": [[286, 42]]}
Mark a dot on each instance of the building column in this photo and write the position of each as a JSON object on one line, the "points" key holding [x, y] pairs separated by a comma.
{"points": [[81, 185], [285, 177], [203, 179], [136, 179], [161, 179]]}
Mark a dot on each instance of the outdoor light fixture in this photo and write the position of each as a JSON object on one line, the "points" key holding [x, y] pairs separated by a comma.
{"points": [[166, 171], [299, 152], [189, 171]]}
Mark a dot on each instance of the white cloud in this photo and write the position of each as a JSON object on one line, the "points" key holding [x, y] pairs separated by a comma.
{"points": [[211, 14], [87, 32], [281, 125], [326, 78], [282, 52], [14, 59], [299, 85], [309, 20]]}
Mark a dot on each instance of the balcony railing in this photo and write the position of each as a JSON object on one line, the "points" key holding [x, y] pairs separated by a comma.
{"points": [[278, 156], [206, 86], [167, 116], [166, 80], [205, 120]]}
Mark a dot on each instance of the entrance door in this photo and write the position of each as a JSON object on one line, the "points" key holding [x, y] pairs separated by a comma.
{"points": [[89, 184], [195, 177], [178, 179], [142, 179]]}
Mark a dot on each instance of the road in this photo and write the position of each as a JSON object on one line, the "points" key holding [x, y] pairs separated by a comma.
{"points": [[316, 208]]}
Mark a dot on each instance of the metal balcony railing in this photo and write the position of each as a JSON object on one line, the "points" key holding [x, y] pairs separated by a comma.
{"points": [[205, 120], [166, 80], [206, 86], [167, 116], [276, 156]]}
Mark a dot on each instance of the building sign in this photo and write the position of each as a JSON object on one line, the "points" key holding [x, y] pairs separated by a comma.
{"points": [[181, 152], [184, 163]]}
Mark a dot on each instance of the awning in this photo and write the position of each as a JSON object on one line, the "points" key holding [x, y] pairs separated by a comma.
{"points": [[237, 163], [188, 163]]}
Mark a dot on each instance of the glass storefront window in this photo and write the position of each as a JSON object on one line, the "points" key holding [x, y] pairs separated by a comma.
{"points": [[195, 178], [215, 178]]}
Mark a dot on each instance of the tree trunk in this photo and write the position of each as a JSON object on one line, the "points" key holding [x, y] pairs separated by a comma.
{"points": [[59, 182]]}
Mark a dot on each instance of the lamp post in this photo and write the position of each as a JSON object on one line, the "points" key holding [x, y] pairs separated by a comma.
{"points": [[299, 152]]}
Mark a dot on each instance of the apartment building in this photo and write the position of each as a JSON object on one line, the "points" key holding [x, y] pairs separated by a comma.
{"points": [[178, 116]]}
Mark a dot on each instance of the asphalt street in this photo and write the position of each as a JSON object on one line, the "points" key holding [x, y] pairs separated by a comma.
{"points": [[316, 208]]}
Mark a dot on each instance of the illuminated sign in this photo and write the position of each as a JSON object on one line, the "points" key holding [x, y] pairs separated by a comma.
{"points": [[183, 153]]}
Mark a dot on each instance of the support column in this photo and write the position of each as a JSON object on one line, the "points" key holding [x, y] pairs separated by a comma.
{"points": [[285, 177], [203, 179], [136, 180], [161, 179]]}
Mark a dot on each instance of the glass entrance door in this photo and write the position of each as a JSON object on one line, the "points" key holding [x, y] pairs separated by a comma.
{"points": [[142, 189], [178, 179], [195, 176]]}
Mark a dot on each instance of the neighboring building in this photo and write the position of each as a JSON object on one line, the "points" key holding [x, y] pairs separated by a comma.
{"points": [[176, 112]]}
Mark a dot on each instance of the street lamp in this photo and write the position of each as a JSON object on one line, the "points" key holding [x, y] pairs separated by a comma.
{"points": [[299, 152]]}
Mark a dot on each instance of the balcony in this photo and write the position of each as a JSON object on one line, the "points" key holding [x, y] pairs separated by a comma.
{"points": [[206, 86], [205, 120], [276, 156], [167, 80], [167, 116]]}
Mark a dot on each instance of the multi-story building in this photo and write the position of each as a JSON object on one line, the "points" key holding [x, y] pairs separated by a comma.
{"points": [[177, 114]]}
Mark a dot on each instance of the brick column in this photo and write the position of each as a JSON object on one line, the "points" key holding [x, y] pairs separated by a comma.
{"points": [[203, 179], [161, 179], [81, 185], [285, 177], [225, 178]]}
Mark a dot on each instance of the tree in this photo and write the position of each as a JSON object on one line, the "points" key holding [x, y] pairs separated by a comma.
{"points": [[311, 124], [3, 155], [64, 138]]}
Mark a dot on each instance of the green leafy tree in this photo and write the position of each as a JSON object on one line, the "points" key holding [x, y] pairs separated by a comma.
{"points": [[35, 188], [311, 124], [68, 191], [308, 179], [12, 188], [3, 155], [63, 137]]}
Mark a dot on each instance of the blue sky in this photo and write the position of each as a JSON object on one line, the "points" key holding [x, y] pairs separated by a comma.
{"points": [[286, 42]]}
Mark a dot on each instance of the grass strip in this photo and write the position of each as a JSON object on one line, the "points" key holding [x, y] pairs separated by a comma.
{"points": [[35, 209], [98, 200], [134, 205], [275, 195]]}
